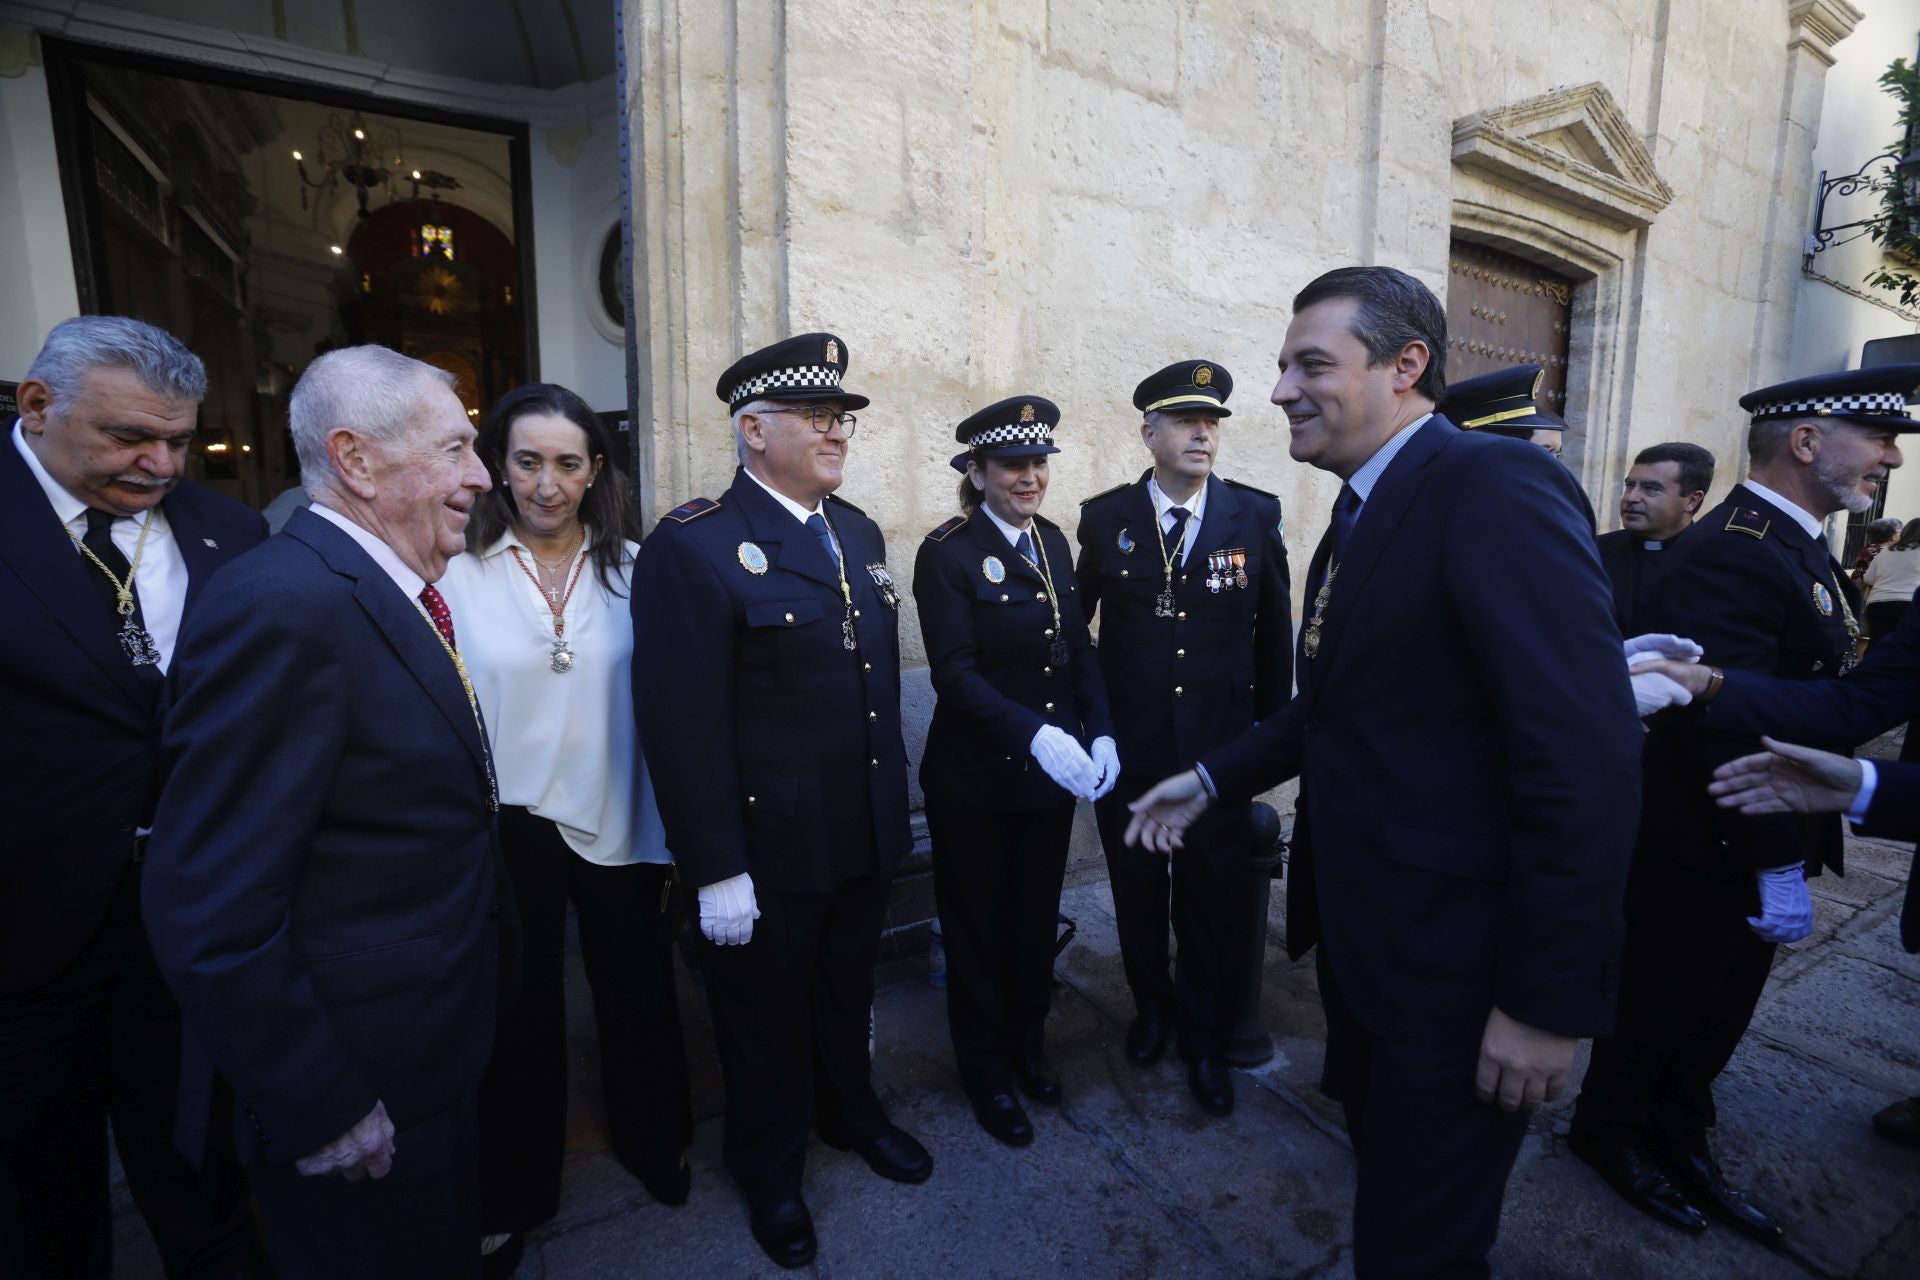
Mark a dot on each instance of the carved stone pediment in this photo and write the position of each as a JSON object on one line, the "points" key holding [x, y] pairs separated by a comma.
{"points": [[1571, 147]]}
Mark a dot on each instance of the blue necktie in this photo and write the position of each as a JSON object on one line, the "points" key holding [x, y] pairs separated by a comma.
{"points": [[817, 525], [1025, 548], [1346, 509], [1179, 515]]}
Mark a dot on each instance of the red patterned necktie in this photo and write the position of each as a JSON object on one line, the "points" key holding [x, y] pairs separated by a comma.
{"points": [[442, 616]]}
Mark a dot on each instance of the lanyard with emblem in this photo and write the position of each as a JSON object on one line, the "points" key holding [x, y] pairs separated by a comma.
{"points": [[1310, 638], [134, 640], [1163, 606], [473, 703], [1851, 658], [848, 640], [1057, 652]]}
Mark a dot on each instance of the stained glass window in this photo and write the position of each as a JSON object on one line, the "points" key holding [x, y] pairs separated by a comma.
{"points": [[436, 240]]}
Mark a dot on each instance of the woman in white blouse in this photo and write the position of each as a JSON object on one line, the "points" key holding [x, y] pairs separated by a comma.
{"points": [[548, 638], [1891, 580]]}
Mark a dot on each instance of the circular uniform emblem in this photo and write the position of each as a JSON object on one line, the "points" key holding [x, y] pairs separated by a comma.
{"points": [[1202, 376], [1823, 599], [1124, 542], [752, 558], [993, 570]]}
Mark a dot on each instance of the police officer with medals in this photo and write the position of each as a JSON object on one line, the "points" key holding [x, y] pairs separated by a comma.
{"points": [[1196, 644], [766, 685], [1020, 730], [1714, 891]]}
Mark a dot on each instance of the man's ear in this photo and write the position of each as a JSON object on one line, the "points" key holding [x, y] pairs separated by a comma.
{"points": [[35, 401], [353, 461], [1803, 442], [1410, 366], [753, 431], [1695, 501]]}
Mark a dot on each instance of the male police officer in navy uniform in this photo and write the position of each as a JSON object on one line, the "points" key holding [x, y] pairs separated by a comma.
{"points": [[1713, 891], [1196, 644], [767, 689]]}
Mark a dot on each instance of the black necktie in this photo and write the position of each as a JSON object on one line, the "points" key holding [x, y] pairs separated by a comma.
{"points": [[1346, 509], [817, 523], [1174, 549], [99, 540]]}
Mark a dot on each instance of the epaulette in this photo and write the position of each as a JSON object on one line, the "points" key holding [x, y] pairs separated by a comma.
{"points": [[1750, 522], [1242, 484], [839, 501], [1107, 492], [691, 510], [945, 531]]}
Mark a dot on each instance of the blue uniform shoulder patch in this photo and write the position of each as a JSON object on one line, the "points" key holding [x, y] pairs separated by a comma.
{"points": [[692, 510], [945, 531], [1750, 522], [1107, 492]]}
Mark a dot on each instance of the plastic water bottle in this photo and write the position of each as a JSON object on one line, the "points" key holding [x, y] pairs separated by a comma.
{"points": [[937, 957]]}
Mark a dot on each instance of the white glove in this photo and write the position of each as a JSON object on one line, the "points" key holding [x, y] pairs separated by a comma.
{"points": [[727, 911], [1786, 912], [1652, 691], [1106, 758], [1065, 761], [1661, 644]]}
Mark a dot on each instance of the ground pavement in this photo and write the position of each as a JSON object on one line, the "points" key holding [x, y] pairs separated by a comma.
{"points": [[1129, 1178]]}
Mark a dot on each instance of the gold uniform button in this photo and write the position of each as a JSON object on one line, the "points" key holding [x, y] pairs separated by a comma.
{"points": [[1178, 691], [1003, 597], [1179, 653], [874, 763], [1049, 706], [749, 800], [1041, 596], [1123, 573], [1048, 633], [856, 613], [872, 716], [789, 617], [1046, 671], [1183, 615], [867, 667]]}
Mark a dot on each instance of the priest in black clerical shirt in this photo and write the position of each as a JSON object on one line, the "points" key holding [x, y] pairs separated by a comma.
{"points": [[1658, 500]]}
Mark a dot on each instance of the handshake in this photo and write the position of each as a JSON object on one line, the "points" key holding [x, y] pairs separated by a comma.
{"points": [[1086, 775]]}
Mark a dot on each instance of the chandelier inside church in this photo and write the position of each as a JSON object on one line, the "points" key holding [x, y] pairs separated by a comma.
{"points": [[367, 160]]}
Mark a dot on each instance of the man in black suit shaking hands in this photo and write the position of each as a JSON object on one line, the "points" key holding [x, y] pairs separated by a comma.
{"points": [[1469, 773]]}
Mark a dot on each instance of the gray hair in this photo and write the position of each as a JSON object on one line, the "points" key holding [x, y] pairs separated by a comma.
{"points": [[1885, 529], [739, 437], [370, 389], [76, 347]]}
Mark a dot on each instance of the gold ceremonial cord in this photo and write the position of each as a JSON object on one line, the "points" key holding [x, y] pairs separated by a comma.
{"points": [[1045, 570], [849, 638], [473, 703], [1160, 536], [123, 591]]}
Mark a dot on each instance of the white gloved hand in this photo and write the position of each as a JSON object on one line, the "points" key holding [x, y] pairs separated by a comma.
{"points": [[1106, 758], [1661, 644], [1786, 910], [1065, 761], [728, 910], [1653, 691]]}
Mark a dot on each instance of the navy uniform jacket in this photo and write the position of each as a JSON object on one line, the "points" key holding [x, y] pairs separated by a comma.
{"points": [[1754, 591], [775, 751], [80, 747], [989, 647], [320, 888], [1181, 686], [1635, 575], [1467, 747]]}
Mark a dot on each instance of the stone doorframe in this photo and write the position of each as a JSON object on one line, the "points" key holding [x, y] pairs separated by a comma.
{"points": [[1564, 181]]}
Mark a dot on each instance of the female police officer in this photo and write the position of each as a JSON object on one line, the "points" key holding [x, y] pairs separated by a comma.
{"points": [[1019, 692]]}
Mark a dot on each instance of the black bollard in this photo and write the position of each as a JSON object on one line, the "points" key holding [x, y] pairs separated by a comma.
{"points": [[1250, 1045]]}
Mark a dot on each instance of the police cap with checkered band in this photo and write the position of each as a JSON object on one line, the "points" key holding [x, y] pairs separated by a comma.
{"points": [[1017, 427], [1876, 397], [799, 370]]}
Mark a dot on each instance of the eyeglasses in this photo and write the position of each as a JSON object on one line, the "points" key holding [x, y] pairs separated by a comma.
{"points": [[823, 420]]}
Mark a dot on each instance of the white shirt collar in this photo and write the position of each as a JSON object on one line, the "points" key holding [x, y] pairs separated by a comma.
{"points": [[65, 505], [798, 512], [409, 582], [1814, 525], [1163, 504], [1012, 534], [1371, 470]]}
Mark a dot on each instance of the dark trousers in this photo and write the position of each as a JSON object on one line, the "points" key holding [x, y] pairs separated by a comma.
{"points": [[420, 1222], [103, 1040], [1208, 893], [1692, 973], [1433, 1159], [996, 880], [643, 1062], [791, 1011]]}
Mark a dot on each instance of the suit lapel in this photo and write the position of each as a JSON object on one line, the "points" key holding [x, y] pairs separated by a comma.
{"points": [[1380, 518], [409, 633], [1221, 528], [789, 544], [202, 556], [991, 542], [33, 542]]}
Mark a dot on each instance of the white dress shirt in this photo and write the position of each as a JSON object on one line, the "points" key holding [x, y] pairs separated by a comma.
{"points": [[564, 743], [160, 579], [1011, 532], [794, 509], [1196, 511], [1815, 527]]}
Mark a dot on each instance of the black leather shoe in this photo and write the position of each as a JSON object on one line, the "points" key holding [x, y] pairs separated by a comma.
{"points": [[1631, 1171], [1147, 1039], [670, 1188], [894, 1154], [784, 1229], [1899, 1122], [1000, 1115], [1700, 1177], [1211, 1084], [1037, 1079]]}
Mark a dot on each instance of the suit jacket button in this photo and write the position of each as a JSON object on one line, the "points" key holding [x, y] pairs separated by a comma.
{"points": [[750, 800], [1046, 671], [874, 763], [789, 617], [872, 716], [1123, 573], [1183, 615], [1179, 653], [1049, 706], [867, 667], [1178, 691]]}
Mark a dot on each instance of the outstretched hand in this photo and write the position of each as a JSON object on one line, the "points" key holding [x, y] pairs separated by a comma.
{"points": [[1162, 816], [1787, 779]]}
